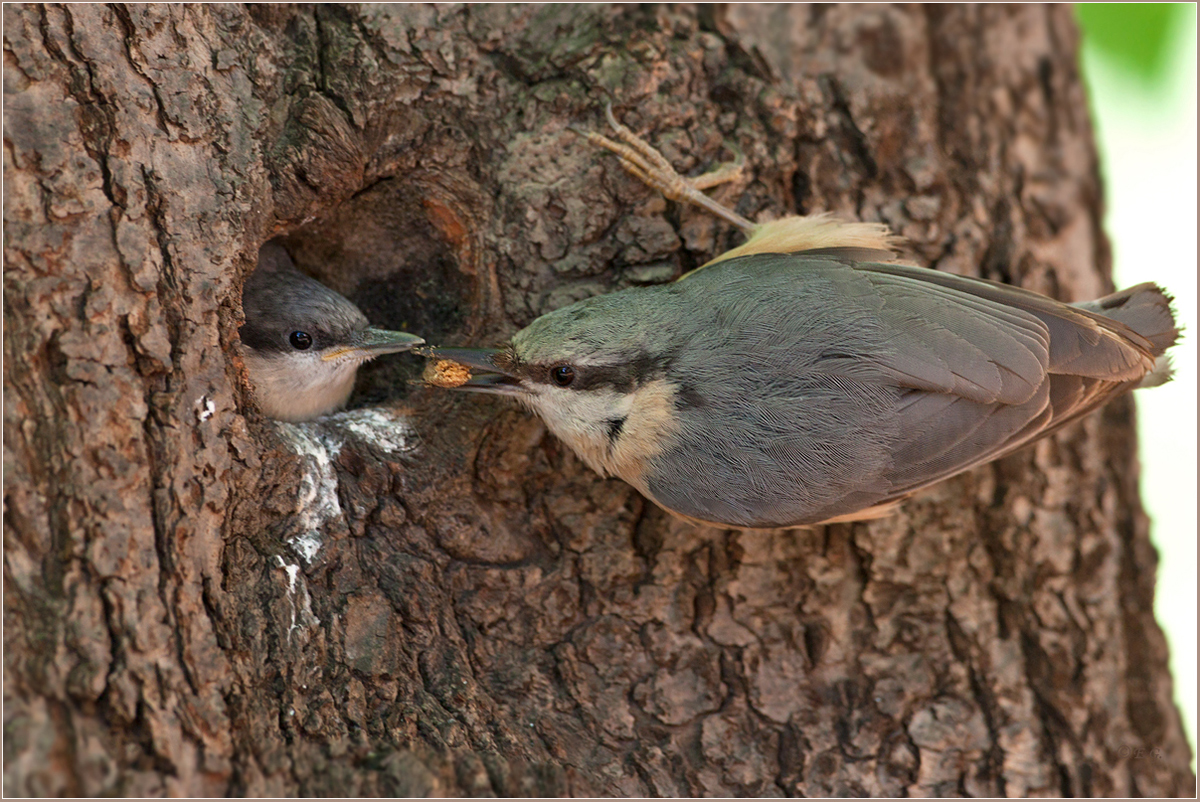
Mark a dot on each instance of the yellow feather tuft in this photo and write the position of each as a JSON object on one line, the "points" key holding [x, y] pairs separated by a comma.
{"points": [[795, 233]]}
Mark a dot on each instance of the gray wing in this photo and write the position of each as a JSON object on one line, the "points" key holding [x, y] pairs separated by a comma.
{"points": [[987, 368]]}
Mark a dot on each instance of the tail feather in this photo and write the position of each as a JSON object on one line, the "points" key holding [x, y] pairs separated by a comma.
{"points": [[1161, 373], [1145, 308]]}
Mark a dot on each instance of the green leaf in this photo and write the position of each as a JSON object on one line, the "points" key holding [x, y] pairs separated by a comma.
{"points": [[1135, 35]]}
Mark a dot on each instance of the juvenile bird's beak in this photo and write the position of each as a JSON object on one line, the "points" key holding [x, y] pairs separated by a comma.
{"points": [[373, 342], [494, 379]]}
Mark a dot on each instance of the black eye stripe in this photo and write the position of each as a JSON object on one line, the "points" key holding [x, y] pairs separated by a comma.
{"points": [[279, 338], [622, 377]]}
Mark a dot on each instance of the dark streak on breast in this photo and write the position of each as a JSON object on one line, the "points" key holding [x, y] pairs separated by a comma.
{"points": [[688, 396]]}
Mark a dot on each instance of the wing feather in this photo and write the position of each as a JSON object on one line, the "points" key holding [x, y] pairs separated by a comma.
{"points": [[991, 367], [1082, 342], [947, 342]]}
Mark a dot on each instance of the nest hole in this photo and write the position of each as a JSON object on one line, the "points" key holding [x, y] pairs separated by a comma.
{"points": [[381, 250]]}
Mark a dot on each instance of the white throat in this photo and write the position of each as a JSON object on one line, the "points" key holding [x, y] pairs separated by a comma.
{"points": [[300, 386], [616, 434]]}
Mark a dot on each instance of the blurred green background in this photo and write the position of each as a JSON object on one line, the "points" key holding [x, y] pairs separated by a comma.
{"points": [[1139, 64]]}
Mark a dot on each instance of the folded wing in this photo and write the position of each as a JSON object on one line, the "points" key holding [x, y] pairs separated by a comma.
{"points": [[988, 368]]}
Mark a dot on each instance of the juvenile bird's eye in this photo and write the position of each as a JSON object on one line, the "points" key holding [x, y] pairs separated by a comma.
{"points": [[300, 340], [563, 375]]}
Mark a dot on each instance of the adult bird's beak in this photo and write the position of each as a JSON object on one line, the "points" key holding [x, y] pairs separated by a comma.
{"points": [[495, 379], [373, 342]]}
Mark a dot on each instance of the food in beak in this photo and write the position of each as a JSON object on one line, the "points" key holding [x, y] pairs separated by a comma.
{"points": [[446, 373]]}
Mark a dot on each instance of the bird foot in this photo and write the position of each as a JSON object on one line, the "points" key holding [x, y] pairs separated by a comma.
{"points": [[643, 161]]}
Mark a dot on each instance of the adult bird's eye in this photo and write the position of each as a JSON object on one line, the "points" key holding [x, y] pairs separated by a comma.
{"points": [[563, 375], [300, 340]]}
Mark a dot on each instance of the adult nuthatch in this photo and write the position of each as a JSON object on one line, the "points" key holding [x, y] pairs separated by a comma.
{"points": [[802, 379], [303, 341]]}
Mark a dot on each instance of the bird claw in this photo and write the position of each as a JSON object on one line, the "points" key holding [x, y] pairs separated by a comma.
{"points": [[641, 160]]}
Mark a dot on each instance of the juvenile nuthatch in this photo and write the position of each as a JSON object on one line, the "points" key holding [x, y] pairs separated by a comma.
{"points": [[802, 378], [303, 342]]}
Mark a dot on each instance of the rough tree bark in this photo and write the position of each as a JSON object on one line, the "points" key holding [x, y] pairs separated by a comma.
{"points": [[428, 594]]}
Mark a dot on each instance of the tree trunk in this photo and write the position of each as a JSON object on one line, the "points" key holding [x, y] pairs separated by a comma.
{"points": [[428, 594]]}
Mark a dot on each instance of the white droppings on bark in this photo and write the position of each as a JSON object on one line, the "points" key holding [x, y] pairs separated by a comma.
{"points": [[317, 499], [381, 428], [319, 443], [204, 408], [302, 614]]}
